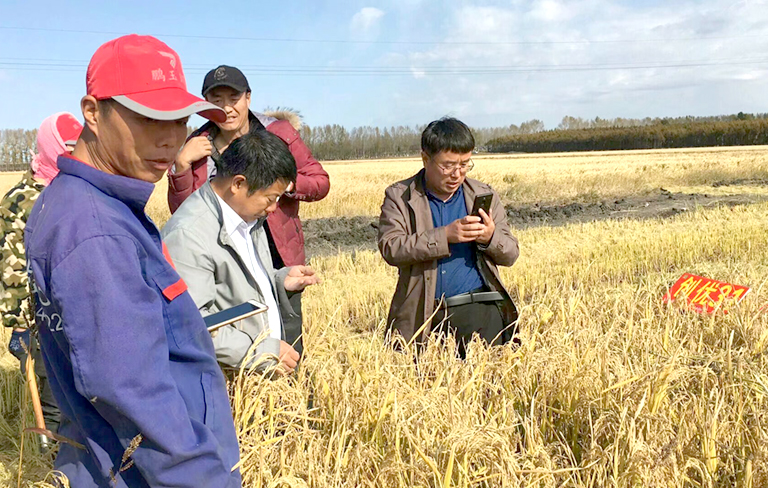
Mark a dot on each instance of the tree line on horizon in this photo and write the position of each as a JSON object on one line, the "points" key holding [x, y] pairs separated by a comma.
{"points": [[336, 142], [739, 130]]}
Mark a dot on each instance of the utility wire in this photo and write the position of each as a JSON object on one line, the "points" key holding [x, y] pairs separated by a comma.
{"points": [[408, 71], [55, 62], [350, 41]]}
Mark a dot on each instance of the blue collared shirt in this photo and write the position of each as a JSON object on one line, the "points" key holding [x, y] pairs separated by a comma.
{"points": [[457, 273], [125, 347]]}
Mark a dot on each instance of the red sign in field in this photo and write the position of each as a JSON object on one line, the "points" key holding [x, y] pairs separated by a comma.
{"points": [[705, 294]]}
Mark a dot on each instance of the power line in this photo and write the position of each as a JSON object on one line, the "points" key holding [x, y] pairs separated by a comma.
{"points": [[56, 62], [351, 71], [349, 41]]}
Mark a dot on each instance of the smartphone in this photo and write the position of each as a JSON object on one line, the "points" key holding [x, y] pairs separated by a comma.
{"points": [[218, 320], [482, 201]]}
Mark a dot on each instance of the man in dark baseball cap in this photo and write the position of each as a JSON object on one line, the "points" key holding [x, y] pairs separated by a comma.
{"points": [[129, 358], [227, 88], [226, 76]]}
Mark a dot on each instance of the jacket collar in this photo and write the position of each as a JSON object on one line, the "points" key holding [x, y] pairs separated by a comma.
{"points": [[134, 193], [211, 200], [230, 219], [254, 123], [417, 199]]}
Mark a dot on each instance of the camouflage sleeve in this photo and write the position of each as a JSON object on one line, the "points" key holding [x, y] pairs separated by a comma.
{"points": [[15, 302], [15, 207]]}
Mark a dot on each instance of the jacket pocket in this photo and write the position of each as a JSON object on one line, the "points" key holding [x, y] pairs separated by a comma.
{"points": [[182, 318], [209, 416]]}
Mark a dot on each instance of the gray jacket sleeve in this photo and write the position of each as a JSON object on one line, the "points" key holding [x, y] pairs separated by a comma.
{"points": [[195, 265], [283, 295]]}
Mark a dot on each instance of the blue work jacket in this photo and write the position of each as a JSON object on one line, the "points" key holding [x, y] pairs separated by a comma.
{"points": [[127, 352]]}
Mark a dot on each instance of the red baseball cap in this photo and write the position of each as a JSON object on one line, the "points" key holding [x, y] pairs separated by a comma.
{"points": [[144, 75], [69, 128]]}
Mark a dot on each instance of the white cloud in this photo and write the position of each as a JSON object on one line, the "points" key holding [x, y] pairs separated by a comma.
{"points": [[551, 11], [725, 43], [418, 73], [365, 23]]}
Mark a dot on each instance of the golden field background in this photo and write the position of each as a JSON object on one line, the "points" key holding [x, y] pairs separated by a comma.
{"points": [[608, 388]]}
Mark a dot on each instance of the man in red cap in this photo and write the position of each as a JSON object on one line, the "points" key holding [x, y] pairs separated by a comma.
{"points": [[128, 355]]}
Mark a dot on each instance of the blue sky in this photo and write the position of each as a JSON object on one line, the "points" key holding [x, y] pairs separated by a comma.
{"points": [[410, 61]]}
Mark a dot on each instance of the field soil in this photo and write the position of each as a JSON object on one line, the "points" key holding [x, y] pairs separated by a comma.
{"points": [[330, 235]]}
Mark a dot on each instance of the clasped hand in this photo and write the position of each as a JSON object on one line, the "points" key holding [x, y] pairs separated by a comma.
{"points": [[471, 229]]}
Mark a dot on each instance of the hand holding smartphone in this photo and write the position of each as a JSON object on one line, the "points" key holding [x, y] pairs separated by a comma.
{"points": [[218, 320], [483, 201]]}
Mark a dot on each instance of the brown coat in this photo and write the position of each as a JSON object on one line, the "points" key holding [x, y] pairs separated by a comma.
{"points": [[409, 240]]}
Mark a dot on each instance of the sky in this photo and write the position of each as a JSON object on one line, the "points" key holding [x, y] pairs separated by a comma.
{"points": [[407, 62]]}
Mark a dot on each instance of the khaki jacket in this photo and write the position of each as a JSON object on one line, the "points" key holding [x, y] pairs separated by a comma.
{"points": [[408, 239]]}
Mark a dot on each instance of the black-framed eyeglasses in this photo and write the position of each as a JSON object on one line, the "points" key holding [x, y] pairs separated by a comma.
{"points": [[463, 168]]}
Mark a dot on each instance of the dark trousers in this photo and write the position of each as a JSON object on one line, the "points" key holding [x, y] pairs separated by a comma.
{"points": [[463, 321], [291, 325]]}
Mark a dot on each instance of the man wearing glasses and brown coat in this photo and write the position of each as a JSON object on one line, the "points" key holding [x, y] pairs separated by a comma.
{"points": [[446, 257]]}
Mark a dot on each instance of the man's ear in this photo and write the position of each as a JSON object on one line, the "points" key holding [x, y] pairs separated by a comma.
{"points": [[248, 99], [238, 184], [90, 108], [424, 158]]}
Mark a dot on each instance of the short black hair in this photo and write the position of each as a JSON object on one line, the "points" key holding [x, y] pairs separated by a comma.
{"points": [[260, 156], [106, 106], [447, 134]]}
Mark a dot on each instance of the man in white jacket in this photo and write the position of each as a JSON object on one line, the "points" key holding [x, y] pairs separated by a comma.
{"points": [[219, 246]]}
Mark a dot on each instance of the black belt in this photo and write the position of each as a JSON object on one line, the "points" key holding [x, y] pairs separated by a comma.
{"points": [[471, 297]]}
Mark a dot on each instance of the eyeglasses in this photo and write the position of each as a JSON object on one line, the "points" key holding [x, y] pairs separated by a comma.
{"points": [[463, 168]]}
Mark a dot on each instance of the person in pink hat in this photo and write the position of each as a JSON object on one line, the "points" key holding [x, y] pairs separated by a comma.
{"points": [[56, 135], [128, 355]]}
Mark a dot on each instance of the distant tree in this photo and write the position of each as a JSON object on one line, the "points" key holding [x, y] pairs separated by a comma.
{"points": [[571, 123], [531, 126], [16, 149], [682, 132], [334, 141]]}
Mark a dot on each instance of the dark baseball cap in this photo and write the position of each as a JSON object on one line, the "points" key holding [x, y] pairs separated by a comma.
{"points": [[226, 76]]}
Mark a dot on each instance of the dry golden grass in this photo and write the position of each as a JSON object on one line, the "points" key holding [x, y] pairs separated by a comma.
{"points": [[357, 187], [608, 388], [7, 180], [157, 207]]}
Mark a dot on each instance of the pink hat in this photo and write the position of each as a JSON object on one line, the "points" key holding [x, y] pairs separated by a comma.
{"points": [[54, 135]]}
